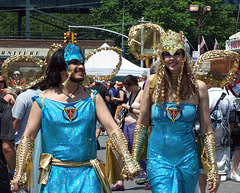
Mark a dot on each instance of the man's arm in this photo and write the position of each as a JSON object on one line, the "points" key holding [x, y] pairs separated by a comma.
{"points": [[9, 153], [16, 123]]}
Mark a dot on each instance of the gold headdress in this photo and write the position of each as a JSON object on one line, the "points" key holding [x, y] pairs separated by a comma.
{"points": [[109, 57], [144, 39], [171, 42], [31, 70], [216, 67]]}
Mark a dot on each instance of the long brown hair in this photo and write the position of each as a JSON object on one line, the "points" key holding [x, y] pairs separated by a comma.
{"points": [[186, 83]]}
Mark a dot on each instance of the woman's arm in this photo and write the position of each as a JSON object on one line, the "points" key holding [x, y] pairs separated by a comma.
{"points": [[132, 110], [145, 108], [140, 133], [121, 97], [208, 136], [203, 109]]}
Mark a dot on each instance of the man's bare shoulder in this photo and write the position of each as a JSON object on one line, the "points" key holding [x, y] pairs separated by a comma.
{"points": [[48, 91]]}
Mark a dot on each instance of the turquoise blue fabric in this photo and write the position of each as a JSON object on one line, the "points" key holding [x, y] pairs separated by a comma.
{"points": [[173, 163], [70, 140]]}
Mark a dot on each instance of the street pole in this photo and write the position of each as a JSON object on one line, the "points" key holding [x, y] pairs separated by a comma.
{"points": [[199, 34], [28, 6], [194, 10], [142, 42], [123, 50]]}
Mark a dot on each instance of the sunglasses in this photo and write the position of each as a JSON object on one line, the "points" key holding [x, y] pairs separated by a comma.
{"points": [[1, 81], [177, 53]]}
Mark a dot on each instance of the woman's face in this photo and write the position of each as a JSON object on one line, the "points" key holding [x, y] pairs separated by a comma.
{"points": [[173, 63], [128, 87]]}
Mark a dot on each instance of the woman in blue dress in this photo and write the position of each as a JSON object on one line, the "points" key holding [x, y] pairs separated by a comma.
{"points": [[173, 163], [66, 114]]}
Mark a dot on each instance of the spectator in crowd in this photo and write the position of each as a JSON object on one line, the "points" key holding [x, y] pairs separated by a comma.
{"points": [[17, 79], [7, 94], [233, 89], [132, 108], [113, 92], [220, 108], [103, 91], [7, 150], [21, 110], [141, 80], [120, 99]]}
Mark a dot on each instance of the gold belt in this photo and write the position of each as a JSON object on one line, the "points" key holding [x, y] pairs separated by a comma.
{"points": [[47, 160]]}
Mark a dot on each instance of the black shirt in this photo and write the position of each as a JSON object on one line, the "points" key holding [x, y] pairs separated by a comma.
{"points": [[7, 133], [102, 90]]}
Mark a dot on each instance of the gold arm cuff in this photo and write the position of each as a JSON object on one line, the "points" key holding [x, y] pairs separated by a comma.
{"points": [[140, 136], [119, 143], [23, 157], [210, 145]]}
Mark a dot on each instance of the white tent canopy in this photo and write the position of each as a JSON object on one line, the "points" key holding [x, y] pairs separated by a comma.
{"points": [[102, 64], [235, 36]]}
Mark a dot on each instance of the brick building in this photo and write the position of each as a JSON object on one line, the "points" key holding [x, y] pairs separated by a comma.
{"points": [[40, 48]]}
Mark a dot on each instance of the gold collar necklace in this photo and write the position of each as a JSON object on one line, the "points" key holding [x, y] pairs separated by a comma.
{"points": [[69, 96], [174, 76]]}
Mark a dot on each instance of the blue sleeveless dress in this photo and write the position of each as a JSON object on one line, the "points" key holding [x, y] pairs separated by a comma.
{"points": [[173, 164], [68, 133]]}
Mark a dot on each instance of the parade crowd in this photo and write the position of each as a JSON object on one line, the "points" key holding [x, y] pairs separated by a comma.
{"points": [[59, 120]]}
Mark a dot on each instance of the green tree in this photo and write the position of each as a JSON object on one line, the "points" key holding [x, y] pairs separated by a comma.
{"points": [[170, 14]]}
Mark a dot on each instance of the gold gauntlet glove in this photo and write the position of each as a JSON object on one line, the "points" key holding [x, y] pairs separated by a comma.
{"points": [[131, 167], [24, 151], [209, 143], [140, 135]]}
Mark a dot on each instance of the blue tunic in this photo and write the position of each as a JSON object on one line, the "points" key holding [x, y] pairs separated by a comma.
{"points": [[173, 163], [68, 133]]}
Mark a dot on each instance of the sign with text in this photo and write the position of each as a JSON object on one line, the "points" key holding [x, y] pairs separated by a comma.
{"points": [[11, 51]]}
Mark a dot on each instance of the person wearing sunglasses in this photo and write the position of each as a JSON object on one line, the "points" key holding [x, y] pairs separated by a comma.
{"points": [[171, 99]]}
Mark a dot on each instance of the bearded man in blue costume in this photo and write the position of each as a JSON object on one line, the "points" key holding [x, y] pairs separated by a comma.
{"points": [[66, 114]]}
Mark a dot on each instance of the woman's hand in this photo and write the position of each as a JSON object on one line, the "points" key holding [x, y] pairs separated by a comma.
{"points": [[125, 106], [213, 187]]}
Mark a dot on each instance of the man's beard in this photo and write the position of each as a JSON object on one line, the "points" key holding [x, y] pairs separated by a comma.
{"points": [[78, 80]]}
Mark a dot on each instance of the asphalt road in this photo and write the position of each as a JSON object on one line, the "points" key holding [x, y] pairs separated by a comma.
{"points": [[131, 187]]}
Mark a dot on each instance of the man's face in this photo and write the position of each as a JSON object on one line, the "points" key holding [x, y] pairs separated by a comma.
{"points": [[16, 76], [78, 70], [234, 80]]}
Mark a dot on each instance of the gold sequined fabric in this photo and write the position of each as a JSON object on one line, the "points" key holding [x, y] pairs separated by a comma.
{"points": [[119, 143], [209, 143], [140, 136], [172, 41], [24, 151]]}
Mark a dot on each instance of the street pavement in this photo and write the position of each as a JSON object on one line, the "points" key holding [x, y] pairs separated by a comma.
{"points": [[131, 187]]}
